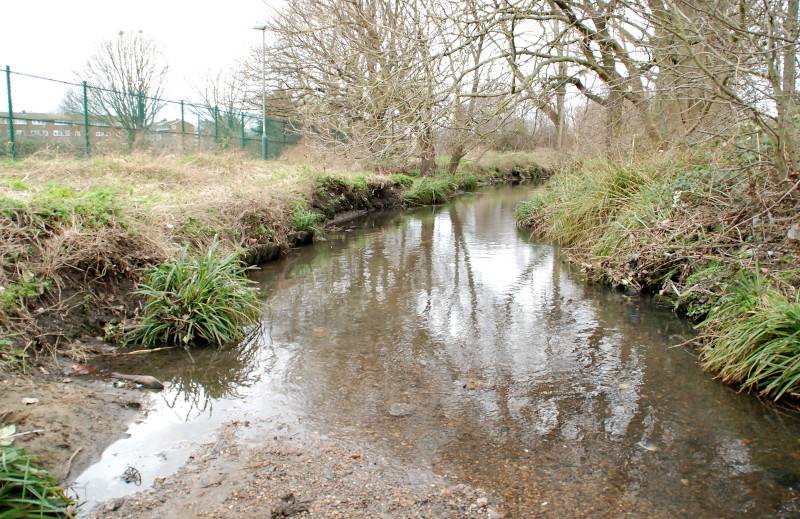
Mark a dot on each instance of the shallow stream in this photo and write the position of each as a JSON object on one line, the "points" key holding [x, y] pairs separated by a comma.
{"points": [[446, 338]]}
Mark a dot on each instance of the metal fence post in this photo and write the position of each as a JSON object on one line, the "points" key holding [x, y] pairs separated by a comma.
{"points": [[216, 124], [140, 102], [10, 115], [242, 119], [283, 136], [86, 120], [183, 124]]}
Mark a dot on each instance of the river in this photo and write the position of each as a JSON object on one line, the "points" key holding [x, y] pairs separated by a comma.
{"points": [[447, 338]]}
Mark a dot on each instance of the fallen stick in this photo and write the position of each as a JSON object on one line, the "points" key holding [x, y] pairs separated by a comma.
{"points": [[16, 435], [142, 352], [69, 461]]}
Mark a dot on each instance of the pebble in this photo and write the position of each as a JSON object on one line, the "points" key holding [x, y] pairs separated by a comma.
{"points": [[494, 514], [399, 410]]}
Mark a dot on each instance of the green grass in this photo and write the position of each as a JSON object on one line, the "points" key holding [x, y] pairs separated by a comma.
{"points": [[61, 204], [305, 220], [755, 339], [11, 357], [401, 180], [196, 299], [27, 491], [26, 287], [429, 190]]}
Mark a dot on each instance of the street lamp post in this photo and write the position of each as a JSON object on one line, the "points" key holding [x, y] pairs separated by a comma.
{"points": [[263, 29]]}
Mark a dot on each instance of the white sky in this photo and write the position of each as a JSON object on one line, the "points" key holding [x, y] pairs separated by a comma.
{"points": [[53, 38]]}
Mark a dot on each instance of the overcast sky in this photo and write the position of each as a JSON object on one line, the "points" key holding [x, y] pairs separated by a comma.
{"points": [[53, 38]]}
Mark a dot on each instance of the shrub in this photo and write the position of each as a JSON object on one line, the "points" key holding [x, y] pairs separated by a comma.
{"points": [[27, 491], [196, 298]]}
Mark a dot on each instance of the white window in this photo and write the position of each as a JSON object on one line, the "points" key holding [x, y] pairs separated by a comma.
{"points": [[3, 121], [61, 133], [173, 127], [102, 134], [19, 132], [77, 133], [42, 133], [39, 123], [58, 123], [20, 122]]}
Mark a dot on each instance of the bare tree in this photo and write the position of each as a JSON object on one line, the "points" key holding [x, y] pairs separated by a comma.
{"points": [[125, 78], [359, 74], [223, 98], [747, 54]]}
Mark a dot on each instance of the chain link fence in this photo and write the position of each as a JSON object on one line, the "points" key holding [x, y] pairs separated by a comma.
{"points": [[91, 121]]}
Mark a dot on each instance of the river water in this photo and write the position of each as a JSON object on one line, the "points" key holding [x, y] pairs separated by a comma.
{"points": [[509, 373]]}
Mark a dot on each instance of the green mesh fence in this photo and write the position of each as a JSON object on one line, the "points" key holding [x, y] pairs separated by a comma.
{"points": [[87, 120]]}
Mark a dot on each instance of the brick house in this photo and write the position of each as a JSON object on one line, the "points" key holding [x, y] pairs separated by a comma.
{"points": [[46, 128]]}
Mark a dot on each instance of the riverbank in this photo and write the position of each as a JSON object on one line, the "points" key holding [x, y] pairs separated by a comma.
{"points": [[712, 238], [77, 235]]}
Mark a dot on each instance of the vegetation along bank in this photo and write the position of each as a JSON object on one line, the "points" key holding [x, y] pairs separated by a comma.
{"points": [[707, 235], [148, 252]]}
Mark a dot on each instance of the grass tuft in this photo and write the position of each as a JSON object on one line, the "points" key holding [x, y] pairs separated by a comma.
{"points": [[429, 190], [755, 339], [305, 220], [27, 491], [196, 298]]}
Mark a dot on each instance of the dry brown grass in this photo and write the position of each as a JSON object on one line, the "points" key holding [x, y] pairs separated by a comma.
{"points": [[158, 204], [84, 229]]}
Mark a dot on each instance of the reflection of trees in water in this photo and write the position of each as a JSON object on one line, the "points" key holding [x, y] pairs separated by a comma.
{"points": [[209, 374], [576, 375]]}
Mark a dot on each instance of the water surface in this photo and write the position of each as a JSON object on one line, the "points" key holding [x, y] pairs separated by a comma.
{"points": [[564, 399]]}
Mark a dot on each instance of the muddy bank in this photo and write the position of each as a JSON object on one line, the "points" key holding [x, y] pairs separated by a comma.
{"points": [[70, 421], [287, 470]]}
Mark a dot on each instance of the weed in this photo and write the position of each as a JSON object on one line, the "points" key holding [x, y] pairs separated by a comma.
{"points": [[60, 205], [194, 227], [196, 298], [16, 295], [305, 220], [469, 182], [15, 359], [401, 180], [27, 491], [16, 184], [530, 209]]}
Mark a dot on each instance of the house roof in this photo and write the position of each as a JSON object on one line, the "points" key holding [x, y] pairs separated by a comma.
{"points": [[37, 116]]}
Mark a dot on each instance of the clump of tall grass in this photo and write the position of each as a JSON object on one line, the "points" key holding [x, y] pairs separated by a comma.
{"points": [[27, 491], [585, 201], [429, 190], [196, 298], [754, 338], [304, 220]]}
